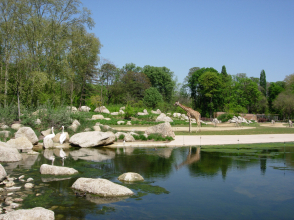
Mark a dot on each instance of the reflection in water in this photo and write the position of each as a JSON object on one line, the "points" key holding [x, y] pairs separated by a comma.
{"points": [[191, 158], [92, 154], [28, 160]]}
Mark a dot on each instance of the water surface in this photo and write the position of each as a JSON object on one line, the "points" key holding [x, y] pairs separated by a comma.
{"points": [[220, 182]]}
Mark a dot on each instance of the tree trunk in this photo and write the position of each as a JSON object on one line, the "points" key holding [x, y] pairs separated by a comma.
{"points": [[18, 103]]}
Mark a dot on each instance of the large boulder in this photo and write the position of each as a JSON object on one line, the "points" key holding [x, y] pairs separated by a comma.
{"points": [[56, 170], [48, 143], [16, 126], [72, 109], [164, 129], [21, 143], [8, 153], [28, 133], [3, 173], [163, 117], [101, 187], [74, 126], [29, 214], [95, 117], [102, 109], [92, 138], [5, 134], [84, 109], [56, 138], [46, 132], [130, 177], [129, 138]]}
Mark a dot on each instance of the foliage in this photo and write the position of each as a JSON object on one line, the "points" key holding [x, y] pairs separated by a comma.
{"points": [[129, 111], [225, 117], [262, 82], [152, 97], [8, 114]]}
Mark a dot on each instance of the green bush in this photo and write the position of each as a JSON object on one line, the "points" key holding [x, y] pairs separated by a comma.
{"points": [[152, 97], [129, 111]]}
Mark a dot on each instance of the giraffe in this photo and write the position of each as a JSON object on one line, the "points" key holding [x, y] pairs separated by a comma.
{"points": [[191, 114]]}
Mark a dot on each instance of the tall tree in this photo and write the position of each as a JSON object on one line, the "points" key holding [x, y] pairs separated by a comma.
{"points": [[224, 71], [262, 82]]}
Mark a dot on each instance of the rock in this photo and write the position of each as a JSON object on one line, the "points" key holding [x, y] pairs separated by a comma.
{"points": [[176, 115], [114, 113], [74, 126], [14, 205], [9, 184], [95, 117], [73, 109], [156, 112], [96, 128], [129, 138], [122, 108], [120, 122], [102, 109], [5, 134], [46, 132], [29, 185], [142, 113], [107, 119], [87, 129], [164, 129], [29, 214], [4, 126], [107, 127], [9, 153], [20, 143], [163, 117], [48, 143], [56, 170], [3, 173], [57, 137], [92, 138], [129, 123], [101, 187], [16, 126], [38, 122], [30, 179], [13, 188], [130, 177], [28, 133], [21, 177], [84, 109]]}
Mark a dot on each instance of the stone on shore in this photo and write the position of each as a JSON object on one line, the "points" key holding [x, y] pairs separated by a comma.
{"points": [[21, 143], [163, 117], [129, 138], [28, 133], [164, 129], [3, 173], [56, 170], [48, 143], [16, 126], [8, 153], [95, 117], [57, 137], [29, 214], [92, 138], [101, 187], [130, 177], [102, 109]]}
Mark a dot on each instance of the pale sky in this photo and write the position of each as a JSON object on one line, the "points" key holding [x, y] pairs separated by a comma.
{"points": [[244, 35]]}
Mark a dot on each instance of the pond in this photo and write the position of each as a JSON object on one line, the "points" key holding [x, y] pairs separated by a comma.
{"points": [[215, 182]]}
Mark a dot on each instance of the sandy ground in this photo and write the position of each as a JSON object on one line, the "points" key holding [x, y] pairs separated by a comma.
{"points": [[193, 140]]}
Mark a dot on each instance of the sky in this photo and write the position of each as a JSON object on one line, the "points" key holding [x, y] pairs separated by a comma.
{"points": [[246, 36]]}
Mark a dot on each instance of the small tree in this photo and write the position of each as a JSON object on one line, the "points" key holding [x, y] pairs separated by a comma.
{"points": [[152, 97], [262, 82]]}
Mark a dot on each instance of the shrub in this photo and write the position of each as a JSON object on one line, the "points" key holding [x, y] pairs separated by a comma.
{"points": [[129, 111], [152, 97]]}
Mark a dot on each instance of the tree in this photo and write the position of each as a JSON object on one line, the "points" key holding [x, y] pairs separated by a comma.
{"points": [[152, 97], [162, 79], [211, 84], [262, 82], [273, 91], [108, 74], [224, 71], [284, 102]]}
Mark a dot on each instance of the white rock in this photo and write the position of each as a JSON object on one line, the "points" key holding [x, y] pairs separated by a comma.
{"points": [[163, 117], [120, 122], [56, 170], [3, 173], [101, 187], [130, 177], [164, 129], [21, 143], [102, 109], [16, 126], [129, 138], [28, 133], [29, 185], [9, 153], [96, 128], [29, 214], [84, 109], [92, 138], [95, 117]]}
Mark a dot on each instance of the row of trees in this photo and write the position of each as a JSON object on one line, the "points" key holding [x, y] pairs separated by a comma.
{"points": [[46, 53], [211, 91]]}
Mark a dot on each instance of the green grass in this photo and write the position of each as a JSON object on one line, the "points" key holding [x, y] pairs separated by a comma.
{"points": [[256, 129]]}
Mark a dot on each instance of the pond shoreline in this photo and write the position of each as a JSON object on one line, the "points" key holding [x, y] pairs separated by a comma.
{"points": [[193, 140]]}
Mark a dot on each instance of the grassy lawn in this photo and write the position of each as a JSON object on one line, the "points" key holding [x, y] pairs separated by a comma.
{"points": [[257, 129]]}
